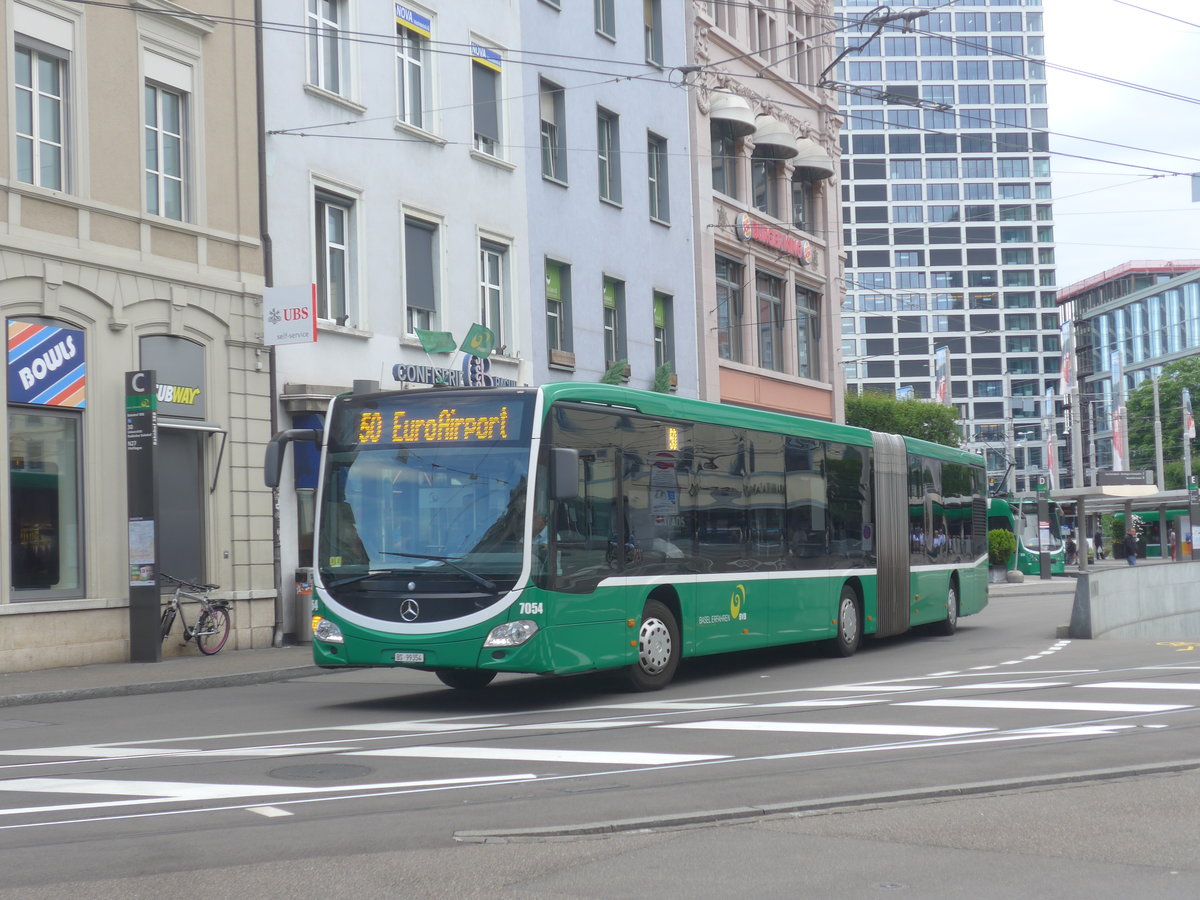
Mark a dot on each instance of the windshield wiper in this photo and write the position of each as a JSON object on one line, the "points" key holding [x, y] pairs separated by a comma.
{"points": [[374, 573], [489, 586]]}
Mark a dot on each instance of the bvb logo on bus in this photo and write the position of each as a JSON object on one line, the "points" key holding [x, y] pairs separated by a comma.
{"points": [[736, 601]]}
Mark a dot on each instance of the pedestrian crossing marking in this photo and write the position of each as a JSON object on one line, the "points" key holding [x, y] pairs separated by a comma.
{"points": [[1004, 685], [518, 754], [679, 705], [1146, 685], [830, 728], [1047, 705], [133, 752]]}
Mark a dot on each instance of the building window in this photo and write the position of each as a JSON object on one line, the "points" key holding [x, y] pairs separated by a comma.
{"points": [[41, 116], [614, 321], [808, 333], [420, 273], [664, 331], [606, 18], [412, 68], [334, 252], [486, 100], [764, 185], [652, 17], [656, 165], [166, 152], [558, 306], [44, 483], [327, 20], [493, 290], [729, 309], [769, 293], [803, 202], [724, 159], [554, 152], [608, 154]]}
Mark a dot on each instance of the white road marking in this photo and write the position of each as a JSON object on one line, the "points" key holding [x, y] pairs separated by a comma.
{"points": [[155, 791], [1145, 685], [870, 688], [1049, 705], [678, 705], [820, 703], [585, 726], [414, 726], [830, 728], [590, 757], [998, 685], [269, 812], [132, 752]]}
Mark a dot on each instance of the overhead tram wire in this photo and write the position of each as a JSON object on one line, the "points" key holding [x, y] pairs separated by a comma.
{"points": [[1155, 12], [387, 40]]}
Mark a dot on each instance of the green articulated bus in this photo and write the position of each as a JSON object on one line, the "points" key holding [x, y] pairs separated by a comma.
{"points": [[1021, 518], [574, 527]]}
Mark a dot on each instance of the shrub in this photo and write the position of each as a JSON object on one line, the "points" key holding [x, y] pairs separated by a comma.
{"points": [[1002, 544]]}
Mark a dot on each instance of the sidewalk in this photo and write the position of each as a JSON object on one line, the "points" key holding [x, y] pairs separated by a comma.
{"points": [[176, 674]]}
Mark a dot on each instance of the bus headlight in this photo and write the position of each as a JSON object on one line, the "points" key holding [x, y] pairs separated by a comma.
{"points": [[511, 634], [324, 630]]}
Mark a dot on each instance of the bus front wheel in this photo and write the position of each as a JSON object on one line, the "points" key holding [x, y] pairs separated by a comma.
{"points": [[465, 679], [658, 649], [849, 624]]}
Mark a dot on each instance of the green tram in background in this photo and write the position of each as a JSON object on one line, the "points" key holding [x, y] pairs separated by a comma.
{"points": [[1021, 518], [1149, 537], [575, 527]]}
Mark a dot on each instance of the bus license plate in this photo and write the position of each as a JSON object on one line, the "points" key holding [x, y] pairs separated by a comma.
{"points": [[409, 657]]}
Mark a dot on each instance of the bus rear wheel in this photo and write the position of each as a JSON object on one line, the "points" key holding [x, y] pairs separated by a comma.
{"points": [[949, 625], [849, 624], [658, 649], [465, 679]]}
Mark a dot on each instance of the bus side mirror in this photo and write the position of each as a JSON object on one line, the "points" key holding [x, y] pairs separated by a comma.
{"points": [[273, 462], [564, 473]]}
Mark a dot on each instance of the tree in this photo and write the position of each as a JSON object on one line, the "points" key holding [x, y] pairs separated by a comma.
{"points": [[912, 418], [1183, 373]]}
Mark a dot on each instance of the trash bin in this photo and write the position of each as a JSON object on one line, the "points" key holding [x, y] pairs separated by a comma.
{"points": [[304, 606]]}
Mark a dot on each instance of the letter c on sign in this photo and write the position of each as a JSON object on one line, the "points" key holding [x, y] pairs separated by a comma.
{"points": [[138, 382]]}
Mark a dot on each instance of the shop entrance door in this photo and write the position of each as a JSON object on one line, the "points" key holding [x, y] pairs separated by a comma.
{"points": [[180, 478]]}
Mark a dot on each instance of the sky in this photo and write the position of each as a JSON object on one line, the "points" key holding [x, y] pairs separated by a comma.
{"points": [[1106, 214]]}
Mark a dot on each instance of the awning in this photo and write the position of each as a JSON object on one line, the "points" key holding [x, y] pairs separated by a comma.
{"points": [[773, 138], [812, 157], [733, 111]]}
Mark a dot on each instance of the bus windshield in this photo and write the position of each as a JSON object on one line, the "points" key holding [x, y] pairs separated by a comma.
{"points": [[428, 488]]}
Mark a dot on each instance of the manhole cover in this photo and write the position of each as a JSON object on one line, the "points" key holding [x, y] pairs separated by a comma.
{"points": [[321, 772]]}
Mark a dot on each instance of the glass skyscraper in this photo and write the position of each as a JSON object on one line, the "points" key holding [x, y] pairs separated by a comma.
{"points": [[949, 231]]}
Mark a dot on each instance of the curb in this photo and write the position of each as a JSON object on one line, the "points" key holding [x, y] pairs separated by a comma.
{"points": [[161, 687], [747, 814]]}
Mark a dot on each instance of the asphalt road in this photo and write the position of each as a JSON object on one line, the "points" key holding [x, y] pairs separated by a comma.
{"points": [[1002, 759]]}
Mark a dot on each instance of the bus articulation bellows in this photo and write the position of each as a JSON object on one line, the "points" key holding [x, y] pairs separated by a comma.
{"points": [[574, 527]]}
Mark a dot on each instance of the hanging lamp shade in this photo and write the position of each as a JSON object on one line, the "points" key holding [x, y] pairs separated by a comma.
{"points": [[732, 111], [774, 139], [812, 156]]}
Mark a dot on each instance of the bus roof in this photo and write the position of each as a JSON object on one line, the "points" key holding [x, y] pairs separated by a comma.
{"points": [[670, 406]]}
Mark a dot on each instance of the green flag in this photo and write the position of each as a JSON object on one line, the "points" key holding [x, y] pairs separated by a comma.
{"points": [[436, 341], [479, 342]]}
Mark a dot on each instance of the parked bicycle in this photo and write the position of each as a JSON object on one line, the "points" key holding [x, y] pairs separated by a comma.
{"points": [[212, 625]]}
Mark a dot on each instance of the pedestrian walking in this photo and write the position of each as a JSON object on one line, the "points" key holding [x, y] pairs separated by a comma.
{"points": [[1131, 547], [1098, 543], [1171, 543]]}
